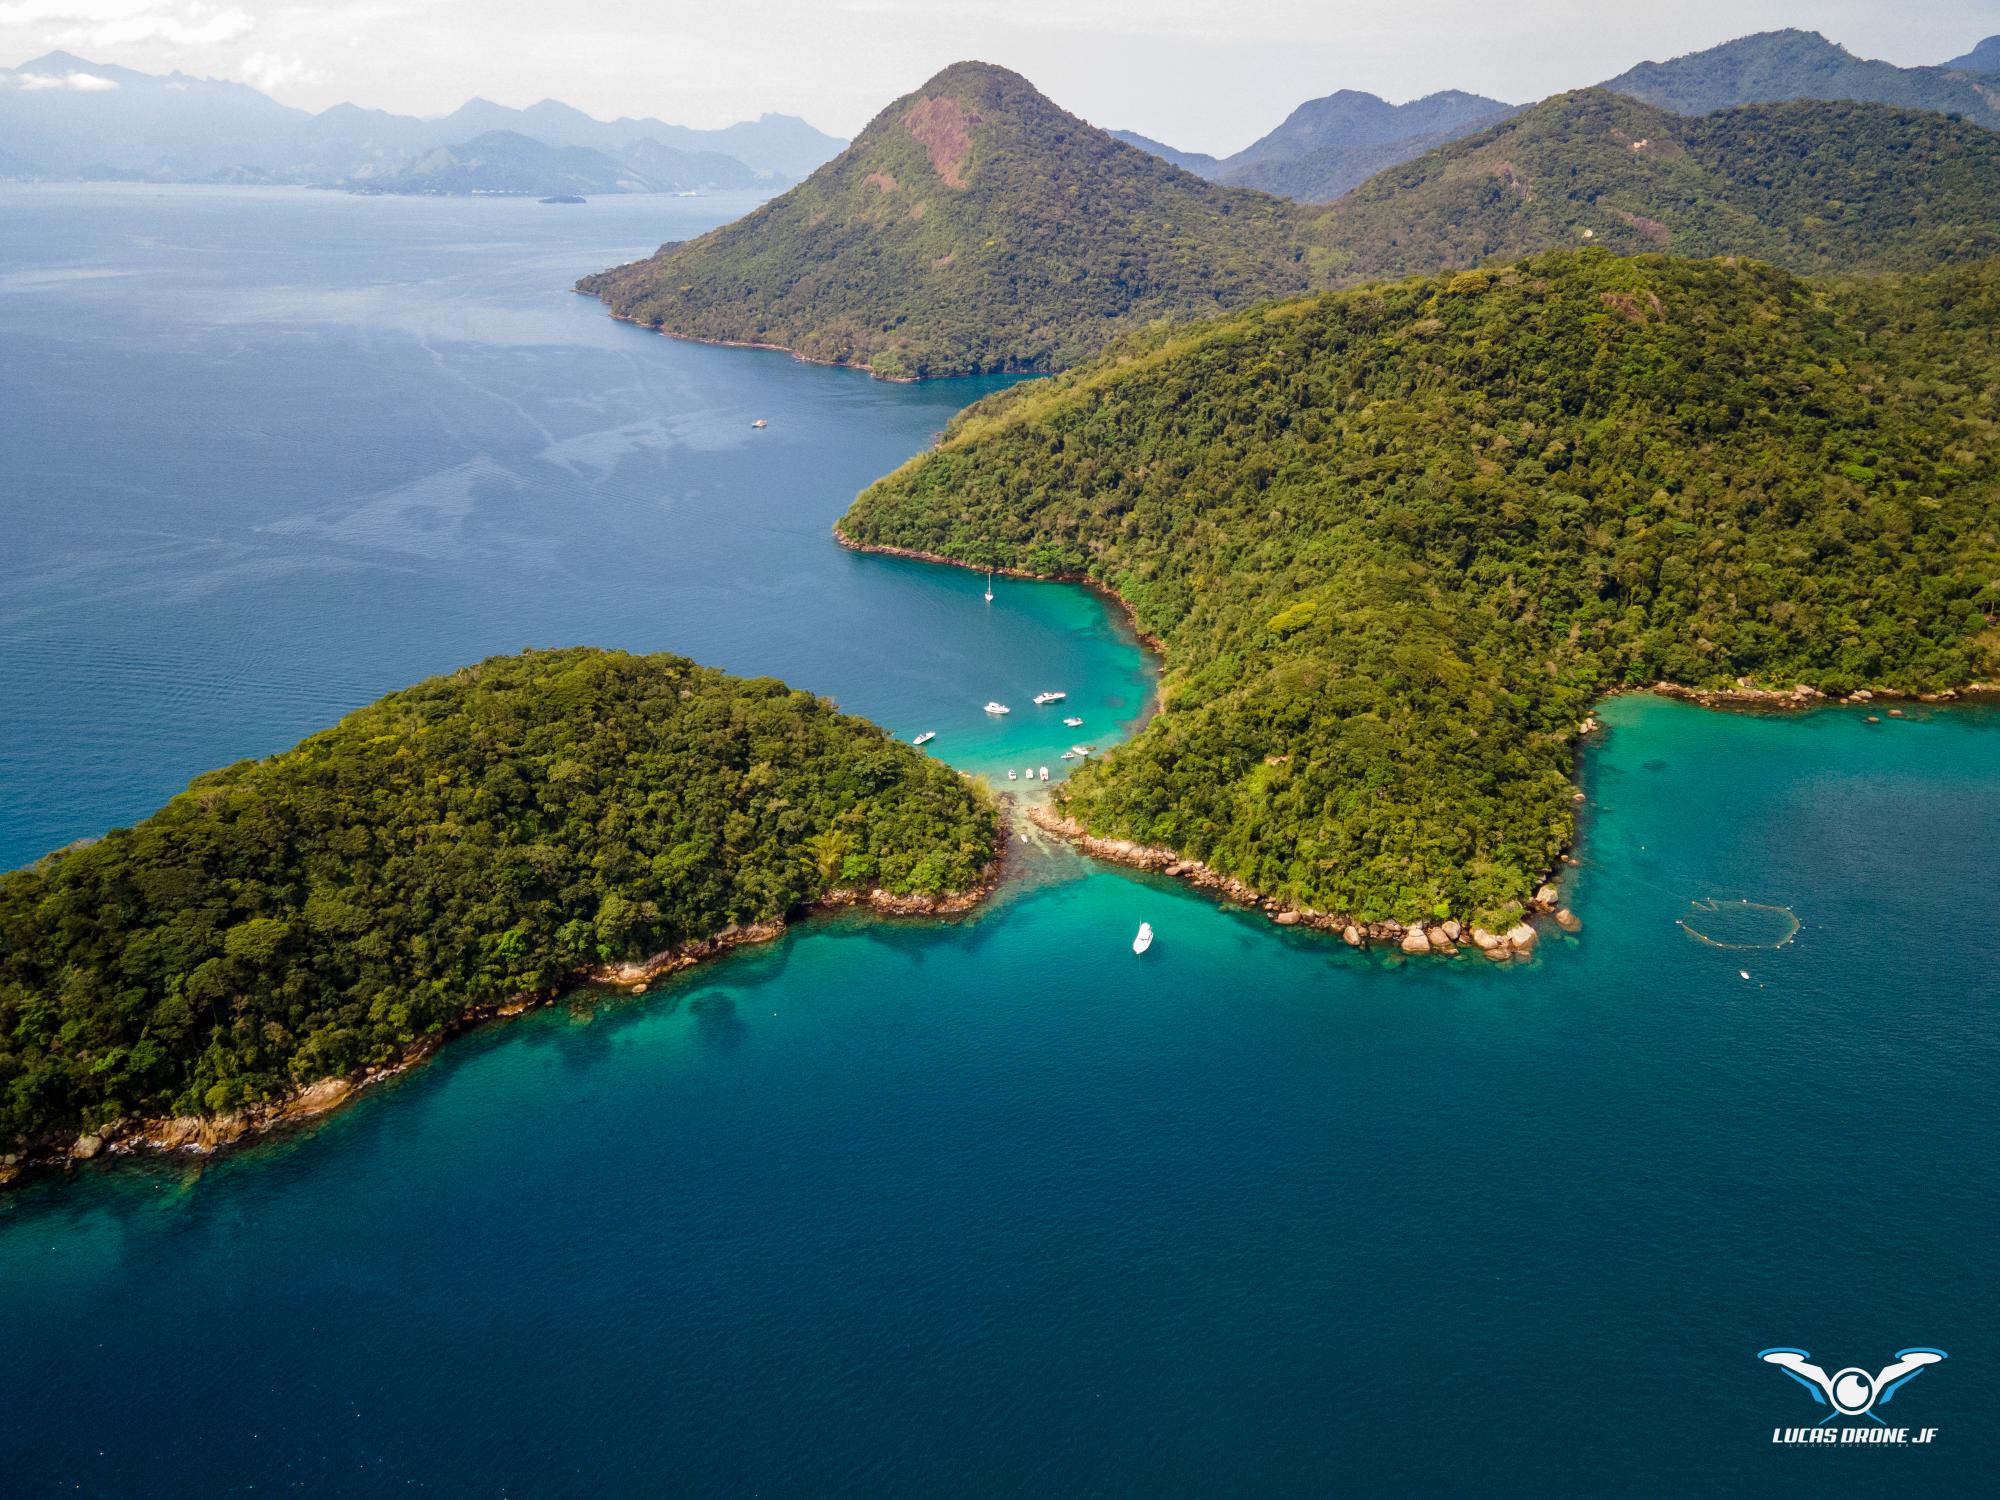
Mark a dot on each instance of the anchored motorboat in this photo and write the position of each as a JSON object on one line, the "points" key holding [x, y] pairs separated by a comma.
{"points": [[1045, 773], [998, 708], [1074, 723], [1010, 774], [1041, 698], [1145, 938], [925, 738]]}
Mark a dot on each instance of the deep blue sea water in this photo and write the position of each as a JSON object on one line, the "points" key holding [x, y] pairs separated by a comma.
{"points": [[978, 1208]]}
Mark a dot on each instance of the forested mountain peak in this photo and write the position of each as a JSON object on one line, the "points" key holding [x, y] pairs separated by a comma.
{"points": [[973, 225]]}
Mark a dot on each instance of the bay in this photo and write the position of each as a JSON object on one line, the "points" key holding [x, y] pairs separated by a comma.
{"points": [[984, 1207]]}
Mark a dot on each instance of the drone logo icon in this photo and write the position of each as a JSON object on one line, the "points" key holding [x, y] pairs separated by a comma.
{"points": [[1852, 1392]]}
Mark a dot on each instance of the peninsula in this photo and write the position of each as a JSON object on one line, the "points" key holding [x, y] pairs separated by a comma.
{"points": [[289, 928], [1396, 542]]}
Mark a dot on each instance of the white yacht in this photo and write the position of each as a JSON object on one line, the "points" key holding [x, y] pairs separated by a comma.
{"points": [[925, 738], [1074, 723], [1010, 774], [1145, 938], [1080, 749], [998, 708], [1045, 773], [1041, 698]]}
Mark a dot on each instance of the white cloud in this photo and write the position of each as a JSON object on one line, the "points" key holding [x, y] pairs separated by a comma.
{"points": [[81, 83], [177, 26], [270, 70]]}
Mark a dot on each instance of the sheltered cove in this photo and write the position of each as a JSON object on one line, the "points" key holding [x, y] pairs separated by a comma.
{"points": [[1446, 937]]}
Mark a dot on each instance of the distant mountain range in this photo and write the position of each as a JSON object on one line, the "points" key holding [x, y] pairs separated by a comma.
{"points": [[974, 226], [64, 117], [1329, 146], [1983, 59], [1778, 65]]}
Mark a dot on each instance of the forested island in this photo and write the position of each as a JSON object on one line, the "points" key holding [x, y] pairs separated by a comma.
{"points": [[1396, 541], [288, 926], [975, 227]]}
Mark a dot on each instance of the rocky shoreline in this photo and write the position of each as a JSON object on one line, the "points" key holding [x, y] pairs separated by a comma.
{"points": [[205, 1135], [1444, 939]]}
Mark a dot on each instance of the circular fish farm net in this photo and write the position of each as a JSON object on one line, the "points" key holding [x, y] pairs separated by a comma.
{"points": [[1722, 922]]}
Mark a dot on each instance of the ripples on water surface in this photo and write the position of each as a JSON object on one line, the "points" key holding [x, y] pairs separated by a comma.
{"points": [[981, 1208]]}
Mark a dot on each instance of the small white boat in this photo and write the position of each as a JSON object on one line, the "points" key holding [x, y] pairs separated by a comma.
{"points": [[1074, 723], [1081, 749], [1145, 938], [760, 422], [925, 738], [1045, 773], [989, 585], [1010, 774], [1069, 755], [1041, 698], [1027, 773], [998, 708]]}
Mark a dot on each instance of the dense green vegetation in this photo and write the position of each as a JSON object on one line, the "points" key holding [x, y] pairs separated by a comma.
{"points": [[478, 835], [1811, 185], [975, 227], [1776, 65], [1397, 540]]}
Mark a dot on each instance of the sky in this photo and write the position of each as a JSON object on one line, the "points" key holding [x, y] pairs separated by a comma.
{"points": [[1204, 75]]}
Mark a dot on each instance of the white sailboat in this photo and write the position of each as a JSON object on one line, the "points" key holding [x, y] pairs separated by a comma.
{"points": [[989, 585], [1145, 938]]}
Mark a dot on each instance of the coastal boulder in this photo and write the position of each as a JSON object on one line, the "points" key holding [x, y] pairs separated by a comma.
{"points": [[1521, 938], [1351, 935], [1567, 920], [1488, 942], [318, 1098], [86, 1147], [1414, 941], [1548, 898]]}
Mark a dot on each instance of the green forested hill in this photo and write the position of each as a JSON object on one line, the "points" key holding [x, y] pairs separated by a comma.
{"points": [[973, 226], [1397, 540], [1811, 185], [478, 835]]}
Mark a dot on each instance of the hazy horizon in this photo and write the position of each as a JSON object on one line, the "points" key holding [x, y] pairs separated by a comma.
{"points": [[1183, 71]]}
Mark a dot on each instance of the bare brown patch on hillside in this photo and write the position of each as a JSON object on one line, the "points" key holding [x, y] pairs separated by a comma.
{"points": [[882, 181], [1513, 179], [1652, 229], [1635, 307], [943, 127], [918, 210], [944, 260]]}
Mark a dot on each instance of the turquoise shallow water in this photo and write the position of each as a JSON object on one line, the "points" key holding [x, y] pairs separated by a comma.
{"points": [[988, 1207]]}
